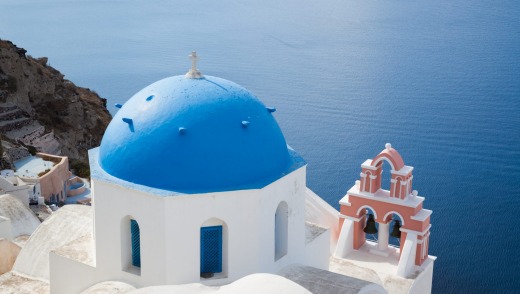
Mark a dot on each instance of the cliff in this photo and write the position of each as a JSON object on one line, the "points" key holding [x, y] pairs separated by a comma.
{"points": [[42, 111]]}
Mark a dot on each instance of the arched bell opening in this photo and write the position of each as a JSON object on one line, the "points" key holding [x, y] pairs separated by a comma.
{"points": [[371, 227], [386, 174], [395, 232], [395, 222]]}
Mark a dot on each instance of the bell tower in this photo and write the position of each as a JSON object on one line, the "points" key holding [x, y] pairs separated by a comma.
{"points": [[366, 204]]}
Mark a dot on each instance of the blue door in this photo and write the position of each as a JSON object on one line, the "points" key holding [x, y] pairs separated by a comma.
{"points": [[211, 249], [136, 243]]}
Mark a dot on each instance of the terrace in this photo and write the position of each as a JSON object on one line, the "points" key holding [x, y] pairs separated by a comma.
{"points": [[32, 167]]}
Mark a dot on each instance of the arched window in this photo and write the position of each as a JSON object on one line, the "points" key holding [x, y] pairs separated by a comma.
{"points": [[398, 187], [136, 243], [281, 230], [213, 249], [130, 245], [368, 182]]}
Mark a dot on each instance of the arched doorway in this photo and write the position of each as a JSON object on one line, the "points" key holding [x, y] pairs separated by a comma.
{"points": [[281, 230]]}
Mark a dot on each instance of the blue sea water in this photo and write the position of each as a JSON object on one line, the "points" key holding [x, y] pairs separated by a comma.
{"points": [[440, 80]]}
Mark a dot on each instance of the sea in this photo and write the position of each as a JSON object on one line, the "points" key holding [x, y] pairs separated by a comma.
{"points": [[439, 80]]}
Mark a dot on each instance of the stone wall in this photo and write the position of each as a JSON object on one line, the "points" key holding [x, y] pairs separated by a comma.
{"points": [[7, 107], [34, 135], [47, 144], [14, 124]]}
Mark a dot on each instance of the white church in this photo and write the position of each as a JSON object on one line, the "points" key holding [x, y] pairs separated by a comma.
{"points": [[196, 190]]}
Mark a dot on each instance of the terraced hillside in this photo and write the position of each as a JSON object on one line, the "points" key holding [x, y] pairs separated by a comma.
{"points": [[42, 111]]}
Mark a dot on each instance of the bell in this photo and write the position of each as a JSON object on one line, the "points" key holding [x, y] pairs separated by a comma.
{"points": [[396, 233], [370, 228]]}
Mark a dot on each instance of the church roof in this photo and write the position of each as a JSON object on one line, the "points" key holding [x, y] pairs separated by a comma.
{"points": [[73, 221], [22, 219], [196, 135]]}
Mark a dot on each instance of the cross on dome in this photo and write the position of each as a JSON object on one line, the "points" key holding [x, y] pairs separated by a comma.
{"points": [[193, 73], [193, 56]]}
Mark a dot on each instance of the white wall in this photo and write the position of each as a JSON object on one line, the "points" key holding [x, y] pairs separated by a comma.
{"points": [[22, 195], [115, 204], [21, 220], [249, 216], [170, 233], [5, 228], [423, 282], [64, 226], [20, 192], [319, 211], [79, 276], [290, 189], [317, 253]]}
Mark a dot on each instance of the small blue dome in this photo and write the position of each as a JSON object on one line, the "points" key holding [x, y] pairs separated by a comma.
{"points": [[195, 136]]}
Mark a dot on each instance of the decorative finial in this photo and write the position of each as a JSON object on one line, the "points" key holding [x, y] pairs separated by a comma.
{"points": [[388, 146], [194, 73]]}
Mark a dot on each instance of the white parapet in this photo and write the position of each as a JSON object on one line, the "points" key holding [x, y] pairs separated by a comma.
{"points": [[346, 239], [407, 261], [320, 212]]}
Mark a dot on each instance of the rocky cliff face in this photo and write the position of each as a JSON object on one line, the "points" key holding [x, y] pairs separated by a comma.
{"points": [[41, 109]]}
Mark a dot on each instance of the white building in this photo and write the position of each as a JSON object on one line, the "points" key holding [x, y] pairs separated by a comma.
{"points": [[15, 186], [194, 186], [194, 182], [17, 223]]}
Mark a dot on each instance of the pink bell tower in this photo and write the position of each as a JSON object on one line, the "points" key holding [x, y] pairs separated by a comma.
{"points": [[400, 201]]}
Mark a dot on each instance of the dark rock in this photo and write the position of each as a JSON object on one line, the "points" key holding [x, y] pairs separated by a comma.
{"points": [[77, 115]]}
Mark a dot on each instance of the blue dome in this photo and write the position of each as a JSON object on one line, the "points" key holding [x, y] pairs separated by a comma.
{"points": [[195, 136]]}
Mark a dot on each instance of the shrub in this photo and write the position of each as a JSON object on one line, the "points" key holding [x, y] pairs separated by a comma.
{"points": [[12, 84], [81, 168], [43, 173], [32, 150]]}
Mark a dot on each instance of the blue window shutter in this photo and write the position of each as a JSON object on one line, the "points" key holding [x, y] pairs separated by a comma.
{"points": [[136, 243], [211, 249]]}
